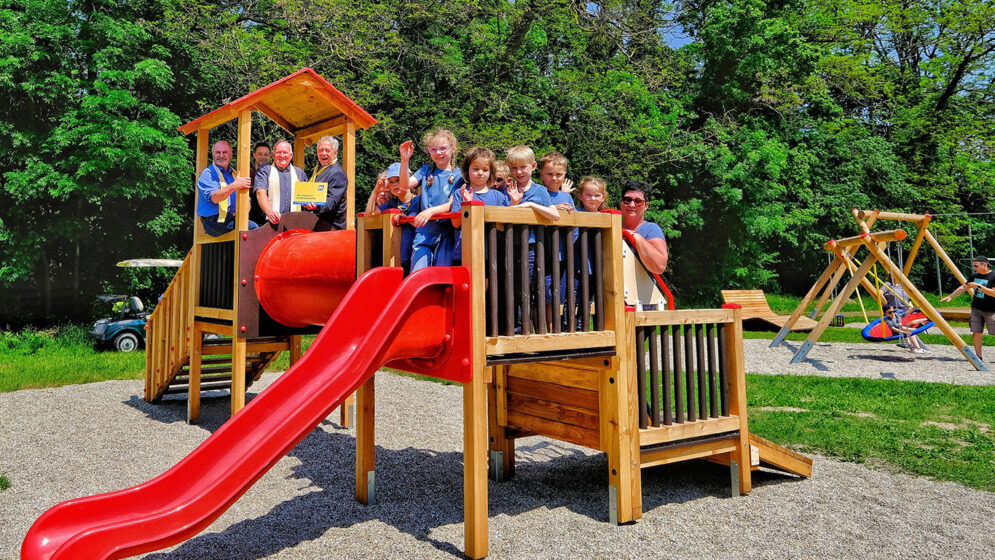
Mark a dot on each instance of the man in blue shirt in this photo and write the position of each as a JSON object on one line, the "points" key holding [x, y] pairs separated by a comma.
{"points": [[216, 188]]}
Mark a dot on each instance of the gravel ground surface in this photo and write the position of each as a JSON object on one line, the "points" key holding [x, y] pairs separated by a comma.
{"points": [[80, 440], [875, 361]]}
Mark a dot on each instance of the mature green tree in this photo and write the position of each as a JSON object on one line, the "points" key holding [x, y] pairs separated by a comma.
{"points": [[94, 168]]}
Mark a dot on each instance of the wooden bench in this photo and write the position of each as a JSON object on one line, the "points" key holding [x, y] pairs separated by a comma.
{"points": [[755, 306]]}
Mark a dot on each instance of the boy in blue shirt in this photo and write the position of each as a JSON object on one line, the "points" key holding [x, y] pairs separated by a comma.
{"points": [[401, 199]]}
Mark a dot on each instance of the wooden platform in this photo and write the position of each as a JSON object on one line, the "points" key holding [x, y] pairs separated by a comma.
{"points": [[755, 306]]}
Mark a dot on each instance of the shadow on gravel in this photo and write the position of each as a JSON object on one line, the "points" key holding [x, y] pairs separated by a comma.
{"points": [[215, 408], [420, 490], [817, 364], [927, 358]]}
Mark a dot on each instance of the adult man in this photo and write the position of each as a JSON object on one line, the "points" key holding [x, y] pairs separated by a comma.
{"points": [[274, 183], [216, 188], [649, 240], [329, 171], [983, 302], [260, 157]]}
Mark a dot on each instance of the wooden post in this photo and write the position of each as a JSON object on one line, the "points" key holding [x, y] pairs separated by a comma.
{"points": [[295, 349], [349, 166], [475, 422], [300, 152], [365, 401], [806, 300], [920, 236], [238, 351], [737, 400], [619, 421], [834, 308], [193, 388], [827, 293], [501, 446], [928, 309]]}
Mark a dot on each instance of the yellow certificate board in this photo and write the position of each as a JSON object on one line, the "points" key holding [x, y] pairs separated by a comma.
{"points": [[308, 192]]}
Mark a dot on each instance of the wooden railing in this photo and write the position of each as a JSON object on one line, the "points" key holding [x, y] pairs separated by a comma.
{"points": [[519, 250], [168, 330], [689, 374]]}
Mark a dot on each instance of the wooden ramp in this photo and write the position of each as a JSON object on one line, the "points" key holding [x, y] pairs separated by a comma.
{"points": [[772, 456], [776, 457], [755, 306]]}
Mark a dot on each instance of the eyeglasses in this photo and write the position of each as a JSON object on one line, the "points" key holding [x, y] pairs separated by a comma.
{"points": [[632, 201], [439, 149]]}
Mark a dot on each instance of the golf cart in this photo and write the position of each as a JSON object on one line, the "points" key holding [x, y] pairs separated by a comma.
{"points": [[125, 332]]}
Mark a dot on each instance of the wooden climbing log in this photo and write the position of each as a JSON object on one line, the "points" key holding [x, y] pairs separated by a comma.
{"points": [[877, 237]]}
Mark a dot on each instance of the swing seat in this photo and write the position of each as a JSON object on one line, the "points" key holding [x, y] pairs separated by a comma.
{"points": [[877, 332]]}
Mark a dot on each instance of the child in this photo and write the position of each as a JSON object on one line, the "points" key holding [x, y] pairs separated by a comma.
{"points": [[433, 240], [403, 199], [523, 193], [894, 322], [478, 169], [522, 162], [553, 170], [593, 194], [501, 175]]}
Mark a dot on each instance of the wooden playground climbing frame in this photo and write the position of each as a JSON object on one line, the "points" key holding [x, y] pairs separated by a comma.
{"points": [[581, 375]]}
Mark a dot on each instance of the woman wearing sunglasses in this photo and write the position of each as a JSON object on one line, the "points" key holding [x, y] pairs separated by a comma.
{"points": [[650, 242]]}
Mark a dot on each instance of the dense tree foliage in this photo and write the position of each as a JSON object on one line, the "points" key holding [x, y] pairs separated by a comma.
{"points": [[760, 124]]}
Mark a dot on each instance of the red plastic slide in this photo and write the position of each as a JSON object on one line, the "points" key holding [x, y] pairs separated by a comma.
{"points": [[380, 319]]}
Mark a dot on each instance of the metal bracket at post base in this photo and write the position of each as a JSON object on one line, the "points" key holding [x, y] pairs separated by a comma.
{"points": [[612, 505], [802, 352], [780, 337], [975, 360], [371, 488], [734, 477], [497, 466]]}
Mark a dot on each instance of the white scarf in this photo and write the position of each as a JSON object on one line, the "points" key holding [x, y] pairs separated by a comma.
{"points": [[274, 187], [223, 205]]}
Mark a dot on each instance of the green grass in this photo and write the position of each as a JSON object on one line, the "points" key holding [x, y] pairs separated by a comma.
{"points": [[942, 431], [60, 356], [4, 483]]}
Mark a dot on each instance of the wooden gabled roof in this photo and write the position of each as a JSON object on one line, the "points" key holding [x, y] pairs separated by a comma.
{"points": [[303, 103]]}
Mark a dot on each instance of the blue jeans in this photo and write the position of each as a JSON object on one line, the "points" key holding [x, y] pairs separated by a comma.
{"points": [[432, 246]]}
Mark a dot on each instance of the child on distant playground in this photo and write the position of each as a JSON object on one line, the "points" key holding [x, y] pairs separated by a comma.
{"points": [[396, 195], [478, 172], [894, 322], [433, 240]]}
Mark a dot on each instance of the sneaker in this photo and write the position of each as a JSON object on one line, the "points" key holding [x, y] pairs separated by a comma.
{"points": [[920, 351]]}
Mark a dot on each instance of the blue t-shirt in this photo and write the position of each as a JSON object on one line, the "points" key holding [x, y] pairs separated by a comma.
{"points": [[409, 208], [539, 195], [560, 197], [492, 197], [207, 183], [441, 189], [649, 230]]}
